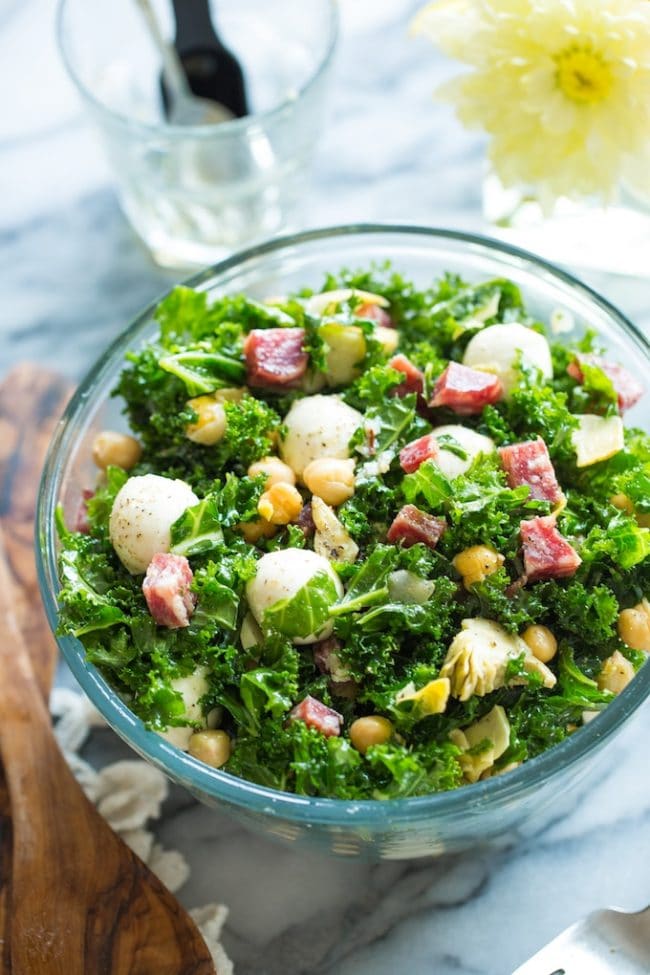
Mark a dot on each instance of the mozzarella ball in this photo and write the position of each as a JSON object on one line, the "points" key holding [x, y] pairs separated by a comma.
{"points": [[143, 512], [318, 426], [497, 348], [250, 634], [471, 442], [191, 688], [280, 575]]}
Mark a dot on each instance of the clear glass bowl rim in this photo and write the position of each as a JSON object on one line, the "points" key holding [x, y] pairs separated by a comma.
{"points": [[240, 792], [223, 130]]}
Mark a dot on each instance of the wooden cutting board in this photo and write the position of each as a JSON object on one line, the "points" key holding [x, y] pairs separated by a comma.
{"points": [[31, 401]]}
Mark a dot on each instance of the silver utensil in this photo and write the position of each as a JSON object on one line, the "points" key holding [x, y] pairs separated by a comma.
{"points": [[183, 106], [604, 943]]}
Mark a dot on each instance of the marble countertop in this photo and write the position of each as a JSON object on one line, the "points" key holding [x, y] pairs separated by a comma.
{"points": [[73, 275]]}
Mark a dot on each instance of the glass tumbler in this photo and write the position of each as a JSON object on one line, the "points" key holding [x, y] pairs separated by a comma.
{"points": [[196, 193]]}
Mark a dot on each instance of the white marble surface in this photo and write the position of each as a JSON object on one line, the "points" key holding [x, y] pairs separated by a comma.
{"points": [[73, 275]]}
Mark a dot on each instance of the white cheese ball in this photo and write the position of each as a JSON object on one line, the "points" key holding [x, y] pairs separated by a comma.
{"points": [[280, 575], [143, 512], [497, 349], [318, 426], [191, 688], [473, 444]]}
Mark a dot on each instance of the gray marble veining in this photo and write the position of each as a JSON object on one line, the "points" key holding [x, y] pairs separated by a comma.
{"points": [[73, 275]]}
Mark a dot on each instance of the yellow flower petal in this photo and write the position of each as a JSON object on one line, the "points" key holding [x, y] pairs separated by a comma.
{"points": [[562, 88]]}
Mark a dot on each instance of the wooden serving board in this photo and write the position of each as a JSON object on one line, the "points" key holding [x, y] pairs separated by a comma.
{"points": [[31, 401]]}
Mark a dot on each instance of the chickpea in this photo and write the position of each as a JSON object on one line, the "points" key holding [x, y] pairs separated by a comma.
{"points": [[634, 626], [118, 449], [211, 747], [277, 472], [210, 427], [230, 394], [254, 530], [372, 730], [616, 673], [281, 504], [541, 641], [622, 502], [330, 479], [476, 563]]}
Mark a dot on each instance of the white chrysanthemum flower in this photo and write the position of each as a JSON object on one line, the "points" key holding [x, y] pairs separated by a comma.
{"points": [[561, 86]]}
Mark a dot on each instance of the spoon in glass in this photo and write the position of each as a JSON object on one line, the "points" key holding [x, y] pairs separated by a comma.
{"points": [[182, 106], [211, 68]]}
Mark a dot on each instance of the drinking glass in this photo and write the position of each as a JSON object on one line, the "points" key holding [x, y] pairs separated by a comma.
{"points": [[196, 193]]}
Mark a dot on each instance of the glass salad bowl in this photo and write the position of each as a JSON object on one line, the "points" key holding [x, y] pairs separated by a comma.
{"points": [[497, 809]]}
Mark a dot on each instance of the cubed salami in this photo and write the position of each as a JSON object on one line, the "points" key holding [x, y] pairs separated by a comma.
{"points": [[275, 356], [413, 378], [466, 390], [328, 661], [547, 555], [81, 523], [628, 389], [317, 715], [375, 313], [416, 452], [305, 521], [529, 463], [411, 526], [166, 588], [325, 654]]}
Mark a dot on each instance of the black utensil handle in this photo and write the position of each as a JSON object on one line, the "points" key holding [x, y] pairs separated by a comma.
{"points": [[194, 26]]}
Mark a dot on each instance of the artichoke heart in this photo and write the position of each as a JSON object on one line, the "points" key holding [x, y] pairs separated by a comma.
{"points": [[331, 540], [492, 730], [430, 699], [479, 655]]}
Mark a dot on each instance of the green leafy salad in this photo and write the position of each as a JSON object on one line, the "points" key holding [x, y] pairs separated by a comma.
{"points": [[371, 542]]}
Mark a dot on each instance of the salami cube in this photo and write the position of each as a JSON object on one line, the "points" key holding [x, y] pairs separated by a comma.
{"points": [[275, 356], [317, 715], [529, 463], [575, 371], [81, 523], [325, 654], [628, 389], [413, 378], [416, 452], [328, 661], [547, 555], [466, 390], [166, 588], [305, 521], [411, 526], [375, 313]]}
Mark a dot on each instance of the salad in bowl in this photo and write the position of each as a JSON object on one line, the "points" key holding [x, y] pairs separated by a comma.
{"points": [[372, 541]]}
